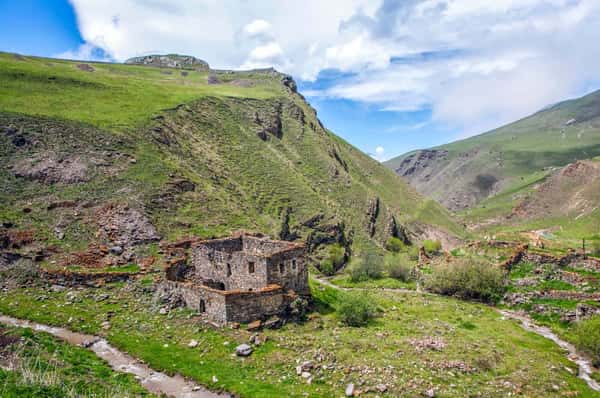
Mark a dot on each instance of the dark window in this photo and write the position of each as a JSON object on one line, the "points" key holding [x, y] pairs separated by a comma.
{"points": [[281, 268], [293, 264], [228, 269], [202, 307], [250, 267], [220, 286]]}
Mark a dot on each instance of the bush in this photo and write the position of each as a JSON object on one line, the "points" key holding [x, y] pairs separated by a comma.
{"points": [[336, 256], [395, 245], [326, 267], [467, 278], [595, 247], [587, 338], [356, 309], [413, 253], [370, 266], [432, 246], [399, 267]]}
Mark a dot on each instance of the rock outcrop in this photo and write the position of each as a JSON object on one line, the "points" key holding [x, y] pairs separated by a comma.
{"points": [[175, 61]]}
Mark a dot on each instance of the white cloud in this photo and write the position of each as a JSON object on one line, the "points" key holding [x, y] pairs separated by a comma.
{"points": [[85, 52], [379, 154], [474, 64], [257, 27]]}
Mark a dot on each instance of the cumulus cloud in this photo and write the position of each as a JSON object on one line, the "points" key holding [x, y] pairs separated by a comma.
{"points": [[473, 64], [379, 154], [86, 52]]}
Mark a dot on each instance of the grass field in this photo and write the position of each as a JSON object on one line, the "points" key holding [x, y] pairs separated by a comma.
{"points": [[44, 367], [478, 353]]}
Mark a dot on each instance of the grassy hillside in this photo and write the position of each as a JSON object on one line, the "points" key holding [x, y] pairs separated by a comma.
{"points": [[463, 173], [490, 173], [127, 155]]}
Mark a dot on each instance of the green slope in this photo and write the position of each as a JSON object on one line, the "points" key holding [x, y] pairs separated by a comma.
{"points": [[195, 158], [489, 173]]}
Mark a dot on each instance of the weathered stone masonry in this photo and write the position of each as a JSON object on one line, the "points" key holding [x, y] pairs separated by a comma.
{"points": [[240, 279]]}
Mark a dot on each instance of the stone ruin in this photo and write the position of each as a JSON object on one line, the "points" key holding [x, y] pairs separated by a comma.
{"points": [[238, 279]]}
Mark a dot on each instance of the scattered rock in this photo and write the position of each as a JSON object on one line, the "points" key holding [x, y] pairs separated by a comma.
{"points": [[256, 325], [163, 311], [243, 350], [273, 323], [50, 169], [101, 297], [85, 67], [116, 250], [193, 343], [350, 390]]}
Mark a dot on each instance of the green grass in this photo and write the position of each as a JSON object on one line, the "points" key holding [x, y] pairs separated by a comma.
{"points": [[519, 156], [48, 368], [113, 96], [474, 334], [381, 283], [157, 127]]}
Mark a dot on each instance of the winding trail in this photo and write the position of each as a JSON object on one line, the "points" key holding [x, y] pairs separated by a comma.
{"points": [[585, 366], [153, 381]]}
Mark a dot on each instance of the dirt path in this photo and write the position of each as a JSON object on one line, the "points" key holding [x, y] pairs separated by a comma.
{"points": [[377, 289], [153, 381], [584, 364]]}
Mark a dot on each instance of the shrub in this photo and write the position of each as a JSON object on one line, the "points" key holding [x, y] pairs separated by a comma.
{"points": [[336, 256], [587, 338], [370, 266], [327, 267], [432, 246], [356, 309], [413, 253], [467, 278], [335, 259], [395, 245], [595, 247], [398, 266]]}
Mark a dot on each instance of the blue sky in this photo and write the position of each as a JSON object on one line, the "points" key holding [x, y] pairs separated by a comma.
{"points": [[389, 76]]}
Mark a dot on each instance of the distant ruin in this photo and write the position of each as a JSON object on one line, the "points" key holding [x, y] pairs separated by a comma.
{"points": [[242, 278]]}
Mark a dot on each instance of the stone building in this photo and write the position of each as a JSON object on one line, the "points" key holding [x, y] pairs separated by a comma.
{"points": [[239, 279]]}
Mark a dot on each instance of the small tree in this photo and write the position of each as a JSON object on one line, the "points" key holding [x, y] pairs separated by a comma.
{"points": [[356, 309], [595, 247], [336, 256], [432, 246], [467, 278], [335, 259], [398, 266], [395, 245], [369, 266], [587, 337], [327, 267]]}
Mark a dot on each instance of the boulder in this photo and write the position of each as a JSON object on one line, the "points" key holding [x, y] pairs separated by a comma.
{"points": [[243, 350]]}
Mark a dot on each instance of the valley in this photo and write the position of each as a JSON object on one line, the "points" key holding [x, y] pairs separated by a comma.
{"points": [[210, 228]]}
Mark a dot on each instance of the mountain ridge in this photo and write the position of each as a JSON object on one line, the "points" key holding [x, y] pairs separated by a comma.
{"points": [[186, 154]]}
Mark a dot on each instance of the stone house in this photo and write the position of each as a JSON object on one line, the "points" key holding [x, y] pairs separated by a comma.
{"points": [[241, 278]]}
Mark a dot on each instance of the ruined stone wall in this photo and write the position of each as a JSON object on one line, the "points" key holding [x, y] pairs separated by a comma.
{"points": [[289, 270], [201, 300], [254, 245], [234, 270], [246, 307]]}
